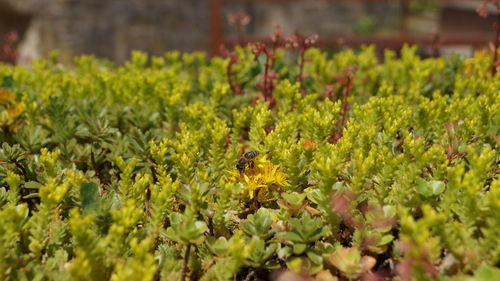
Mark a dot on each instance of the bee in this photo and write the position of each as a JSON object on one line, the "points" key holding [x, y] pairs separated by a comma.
{"points": [[246, 161]]}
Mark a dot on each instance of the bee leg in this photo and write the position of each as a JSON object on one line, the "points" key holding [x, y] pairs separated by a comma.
{"points": [[250, 164]]}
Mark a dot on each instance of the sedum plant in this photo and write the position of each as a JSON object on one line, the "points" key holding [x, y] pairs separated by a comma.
{"points": [[366, 169]]}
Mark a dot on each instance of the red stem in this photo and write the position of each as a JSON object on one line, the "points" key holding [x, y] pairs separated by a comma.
{"points": [[275, 46], [301, 66], [345, 104], [266, 87], [339, 126]]}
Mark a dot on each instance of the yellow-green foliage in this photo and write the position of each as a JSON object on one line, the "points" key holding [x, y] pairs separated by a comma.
{"points": [[129, 172]]}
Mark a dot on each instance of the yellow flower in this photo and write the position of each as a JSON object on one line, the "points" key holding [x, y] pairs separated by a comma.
{"points": [[6, 96], [9, 114], [264, 176]]}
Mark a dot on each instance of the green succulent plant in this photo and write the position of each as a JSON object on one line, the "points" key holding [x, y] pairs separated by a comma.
{"points": [[366, 166], [185, 230]]}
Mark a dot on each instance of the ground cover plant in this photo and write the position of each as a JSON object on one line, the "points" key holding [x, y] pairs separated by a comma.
{"points": [[365, 169]]}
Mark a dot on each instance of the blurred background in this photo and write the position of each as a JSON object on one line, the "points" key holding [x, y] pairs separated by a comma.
{"points": [[113, 28]]}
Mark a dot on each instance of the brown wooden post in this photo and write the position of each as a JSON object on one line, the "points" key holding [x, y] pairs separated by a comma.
{"points": [[403, 28], [215, 26]]}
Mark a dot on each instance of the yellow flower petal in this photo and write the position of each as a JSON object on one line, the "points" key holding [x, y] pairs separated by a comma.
{"points": [[260, 179]]}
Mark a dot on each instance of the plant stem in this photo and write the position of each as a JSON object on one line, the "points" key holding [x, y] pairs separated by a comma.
{"points": [[301, 67], [266, 67], [301, 70], [345, 103], [153, 172], [23, 171], [250, 275], [185, 265], [229, 77], [94, 164], [346, 82], [497, 39]]}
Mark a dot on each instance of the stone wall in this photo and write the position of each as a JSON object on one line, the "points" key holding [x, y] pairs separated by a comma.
{"points": [[322, 17], [112, 28]]}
